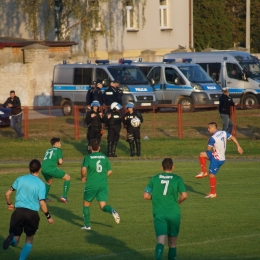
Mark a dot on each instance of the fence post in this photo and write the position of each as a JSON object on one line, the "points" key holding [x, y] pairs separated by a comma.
{"points": [[180, 123], [76, 122], [233, 118], [50, 121], [25, 122], [154, 122]]}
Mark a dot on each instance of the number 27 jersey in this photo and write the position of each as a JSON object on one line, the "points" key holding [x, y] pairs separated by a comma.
{"points": [[165, 189]]}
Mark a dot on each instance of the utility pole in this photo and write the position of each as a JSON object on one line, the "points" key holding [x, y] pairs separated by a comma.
{"points": [[248, 25]]}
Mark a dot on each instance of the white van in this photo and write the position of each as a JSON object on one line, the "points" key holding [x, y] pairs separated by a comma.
{"points": [[72, 81], [182, 83], [237, 71]]}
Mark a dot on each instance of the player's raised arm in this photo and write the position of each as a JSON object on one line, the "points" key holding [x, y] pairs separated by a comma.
{"points": [[239, 149]]}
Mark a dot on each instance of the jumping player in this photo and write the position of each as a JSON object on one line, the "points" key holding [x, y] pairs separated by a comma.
{"points": [[164, 189], [97, 168], [52, 157], [218, 141]]}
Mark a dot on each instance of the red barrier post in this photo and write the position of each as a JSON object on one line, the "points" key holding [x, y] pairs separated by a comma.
{"points": [[233, 119], [76, 122], [50, 121], [25, 122], [154, 122], [180, 123]]}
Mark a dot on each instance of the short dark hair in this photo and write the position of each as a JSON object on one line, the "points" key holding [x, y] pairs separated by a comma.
{"points": [[54, 140], [12, 91], [95, 143], [34, 166], [167, 164], [213, 123]]}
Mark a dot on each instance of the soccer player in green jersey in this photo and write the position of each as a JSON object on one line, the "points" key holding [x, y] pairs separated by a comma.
{"points": [[95, 171], [164, 189], [52, 157]]}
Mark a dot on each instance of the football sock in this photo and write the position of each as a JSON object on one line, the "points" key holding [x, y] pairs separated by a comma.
{"points": [[13, 242], [108, 209], [48, 187], [159, 251], [86, 216], [25, 251], [203, 162], [66, 187], [212, 183], [172, 253]]}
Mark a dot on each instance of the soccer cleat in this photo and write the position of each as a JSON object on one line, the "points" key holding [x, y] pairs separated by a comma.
{"points": [[116, 216], [86, 228], [211, 196], [202, 175], [64, 200], [8, 241], [47, 200]]}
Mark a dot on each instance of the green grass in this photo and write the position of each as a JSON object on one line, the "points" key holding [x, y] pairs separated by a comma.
{"points": [[222, 228]]}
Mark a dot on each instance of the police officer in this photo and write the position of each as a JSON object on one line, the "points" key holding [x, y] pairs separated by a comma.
{"points": [[133, 133], [93, 120], [113, 120], [113, 94], [89, 96]]}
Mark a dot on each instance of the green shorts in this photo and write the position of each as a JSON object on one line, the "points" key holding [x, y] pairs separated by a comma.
{"points": [[101, 194], [57, 173], [167, 224]]}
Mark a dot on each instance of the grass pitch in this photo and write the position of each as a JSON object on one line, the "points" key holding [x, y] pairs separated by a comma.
{"points": [[223, 228]]}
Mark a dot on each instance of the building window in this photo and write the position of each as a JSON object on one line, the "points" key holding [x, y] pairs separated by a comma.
{"points": [[163, 14], [131, 24]]}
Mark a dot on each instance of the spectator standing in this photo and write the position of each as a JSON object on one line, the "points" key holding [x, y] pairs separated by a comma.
{"points": [[225, 102], [133, 132], [113, 121], [14, 103], [113, 94]]}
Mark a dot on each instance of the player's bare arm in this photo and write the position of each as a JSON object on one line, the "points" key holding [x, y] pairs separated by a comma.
{"points": [[83, 174], [109, 173], [147, 196], [239, 149], [183, 197], [46, 212], [60, 161], [9, 203]]}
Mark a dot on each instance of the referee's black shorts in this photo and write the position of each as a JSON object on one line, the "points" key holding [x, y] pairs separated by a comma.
{"points": [[25, 220]]}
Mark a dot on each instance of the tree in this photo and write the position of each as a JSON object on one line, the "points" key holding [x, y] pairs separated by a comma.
{"points": [[255, 25]]}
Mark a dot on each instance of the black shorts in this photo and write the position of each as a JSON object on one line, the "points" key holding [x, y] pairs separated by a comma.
{"points": [[24, 220]]}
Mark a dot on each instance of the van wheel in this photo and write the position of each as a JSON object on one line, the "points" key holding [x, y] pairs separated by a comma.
{"points": [[187, 104], [250, 101], [67, 108]]}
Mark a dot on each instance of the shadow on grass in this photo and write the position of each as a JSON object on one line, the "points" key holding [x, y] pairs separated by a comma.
{"points": [[191, 189], [250, 131]]}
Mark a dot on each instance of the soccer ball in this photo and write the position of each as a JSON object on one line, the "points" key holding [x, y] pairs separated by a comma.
{"points": [[135, 122]]}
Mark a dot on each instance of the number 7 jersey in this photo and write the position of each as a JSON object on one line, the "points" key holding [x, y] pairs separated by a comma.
{"points": [[165, 189]]}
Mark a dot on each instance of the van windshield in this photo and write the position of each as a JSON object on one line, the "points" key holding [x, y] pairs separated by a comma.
{"points": [[252, 69], [195, 74], [128, 75]]}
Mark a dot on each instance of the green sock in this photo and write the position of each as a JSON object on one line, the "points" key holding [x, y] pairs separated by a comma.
{"points": [[48, 187], [172, 253], [66, 187], [159, 251], [86, 216], [108, 209]]}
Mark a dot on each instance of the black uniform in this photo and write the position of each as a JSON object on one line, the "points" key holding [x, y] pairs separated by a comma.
{"points": [[113, 125], [133, 133], [94, 125], [97, 95], [89, 96], [113, 94]]}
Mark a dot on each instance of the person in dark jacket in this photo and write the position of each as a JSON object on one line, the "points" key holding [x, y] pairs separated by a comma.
{"points": [[113, 121], [113, 94], [93, 120], [133, 130], [225, 102], [14, 103], [95, 93]]}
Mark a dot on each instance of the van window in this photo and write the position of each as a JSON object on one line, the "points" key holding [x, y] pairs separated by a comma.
{"points": [[213, 69], [145, 69], [233, 71], [155, 74], [101, 75], [82, 76], [171, 76]]}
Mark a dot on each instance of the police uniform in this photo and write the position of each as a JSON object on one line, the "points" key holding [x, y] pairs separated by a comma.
{"points": [[113, 94], [113, 125], [133, 133], [89, 96]]}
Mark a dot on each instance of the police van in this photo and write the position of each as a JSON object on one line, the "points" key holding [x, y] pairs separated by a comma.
{"points": [[181, 82], [72, 81], [237, 71]]}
